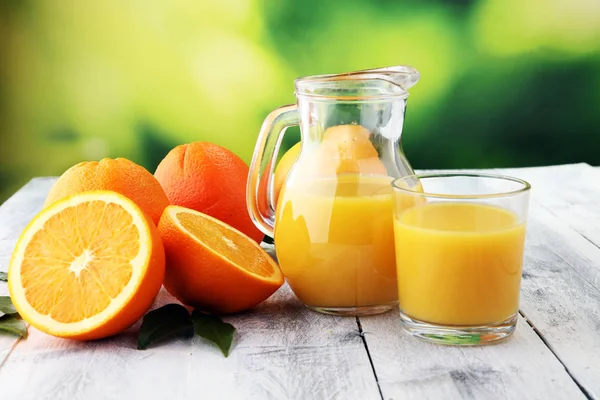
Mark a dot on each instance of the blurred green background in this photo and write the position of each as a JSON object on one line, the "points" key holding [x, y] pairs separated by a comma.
{"points": [[503, 82]]}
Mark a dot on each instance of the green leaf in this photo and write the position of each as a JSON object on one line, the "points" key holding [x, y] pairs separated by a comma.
{"points": [[6, 306], [169, 320], [13, 325], [213, 329], [3, 276]]}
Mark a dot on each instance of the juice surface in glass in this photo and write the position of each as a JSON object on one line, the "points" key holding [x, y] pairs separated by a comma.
{"points": [[334, 241], [459, 263]]}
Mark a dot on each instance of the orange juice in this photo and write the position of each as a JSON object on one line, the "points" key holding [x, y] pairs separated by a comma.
{"points": [[459, 263], [335, 241]]}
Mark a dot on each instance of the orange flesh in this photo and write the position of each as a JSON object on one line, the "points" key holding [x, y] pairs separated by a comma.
{"points": [[71, 274], [228, 243]]}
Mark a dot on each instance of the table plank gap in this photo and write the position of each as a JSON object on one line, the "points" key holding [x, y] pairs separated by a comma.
{"points": [[362, 336], [541, 336], [588, 239], [12, 348]]}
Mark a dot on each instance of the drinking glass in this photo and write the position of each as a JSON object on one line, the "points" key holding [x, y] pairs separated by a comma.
{"points": [[459, 241]]}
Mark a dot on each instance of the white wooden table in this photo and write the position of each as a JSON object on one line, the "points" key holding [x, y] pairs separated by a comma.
{"points": [[284, 351]]}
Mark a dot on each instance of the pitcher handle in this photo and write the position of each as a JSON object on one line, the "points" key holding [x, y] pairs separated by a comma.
{"points": [[259, 190]]}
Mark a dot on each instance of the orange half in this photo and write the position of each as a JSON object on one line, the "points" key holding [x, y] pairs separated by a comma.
{"points": [[86, 267], [213, 266]]}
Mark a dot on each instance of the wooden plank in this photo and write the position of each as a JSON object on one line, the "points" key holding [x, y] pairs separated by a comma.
{"points": [[560, 295], [571, 195], [15, 213], [570, 192], [561, 287], [519, 368], [282, 350], [578, 199]]}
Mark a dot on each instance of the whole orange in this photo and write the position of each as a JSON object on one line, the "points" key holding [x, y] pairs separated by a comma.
{"points": [[118, 175], [211, 179], [348, 149]]}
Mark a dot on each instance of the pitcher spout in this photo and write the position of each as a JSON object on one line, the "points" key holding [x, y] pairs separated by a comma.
{"points": [[403, 76], [358, 85]]}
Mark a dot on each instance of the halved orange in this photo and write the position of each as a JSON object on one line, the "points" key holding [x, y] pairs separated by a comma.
{"points": [[86, 267], [213, 266]]}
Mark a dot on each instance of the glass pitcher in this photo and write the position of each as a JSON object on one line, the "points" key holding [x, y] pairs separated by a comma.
{"points": [[333, 223]]}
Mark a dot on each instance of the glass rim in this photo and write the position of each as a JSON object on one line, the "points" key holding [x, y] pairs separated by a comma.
{"points": [[525, 186], [402, 77], [350, 99]]}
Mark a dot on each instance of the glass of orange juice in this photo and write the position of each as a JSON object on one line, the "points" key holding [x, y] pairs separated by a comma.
{"points": [[459, 241]]}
